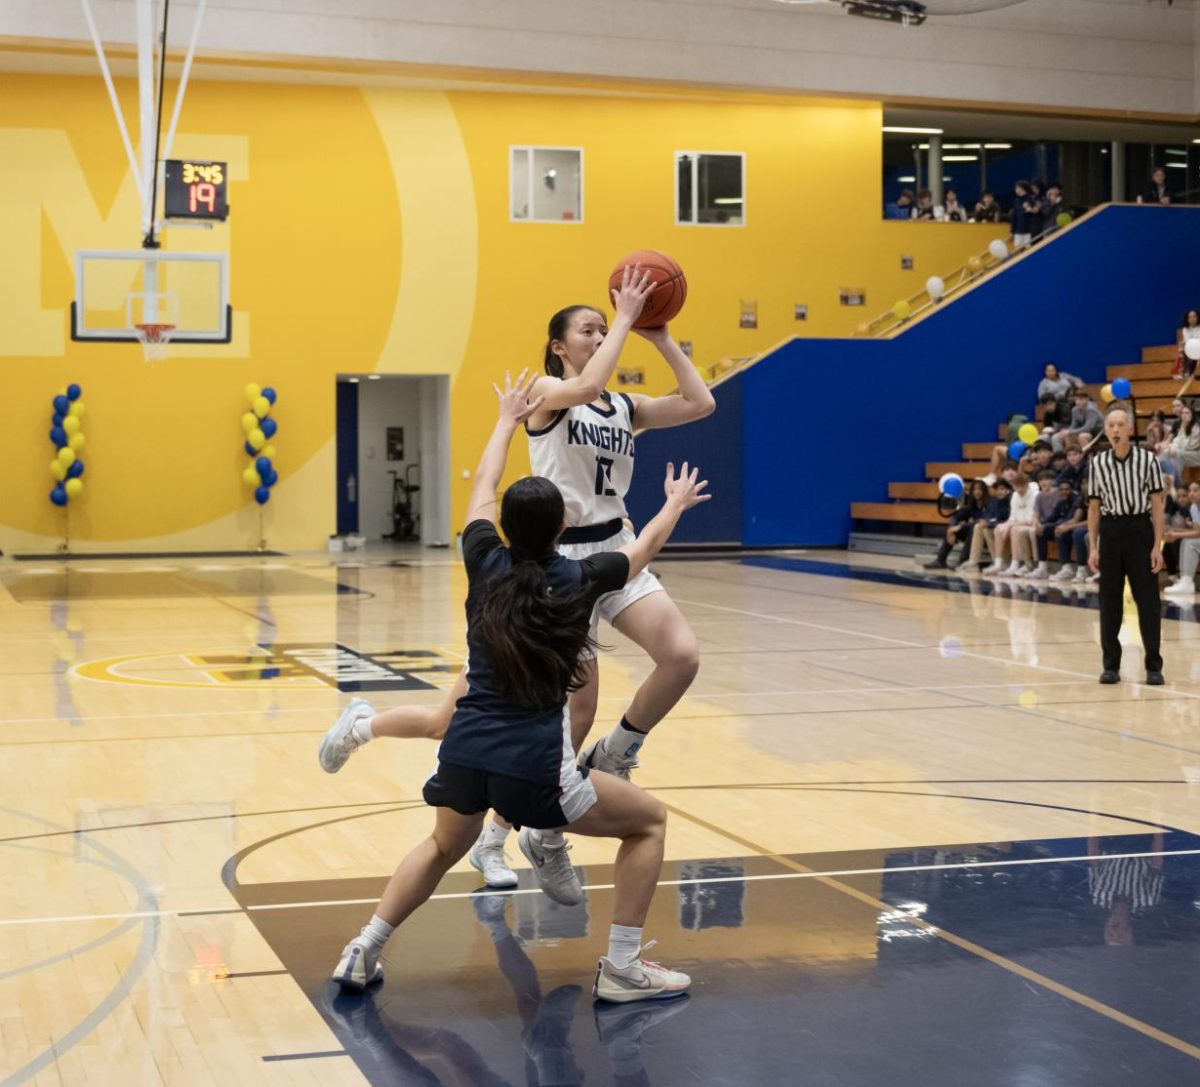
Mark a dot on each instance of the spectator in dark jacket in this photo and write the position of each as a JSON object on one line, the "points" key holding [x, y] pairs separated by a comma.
{"points": [[1021, 234], [962, 523], [1052, 207], [1157, 193], [1036, 206], [1076, 470], [995, 513], [987, 210]]}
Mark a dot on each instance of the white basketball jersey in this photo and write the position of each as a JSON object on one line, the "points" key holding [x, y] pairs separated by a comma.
{"points": [[587, 452]]}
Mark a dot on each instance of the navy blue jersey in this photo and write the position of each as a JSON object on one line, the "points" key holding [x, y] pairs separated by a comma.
{"points": [[488, 731]]}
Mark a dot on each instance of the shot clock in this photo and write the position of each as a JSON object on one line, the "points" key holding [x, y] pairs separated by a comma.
{"points": [[195, 190]]}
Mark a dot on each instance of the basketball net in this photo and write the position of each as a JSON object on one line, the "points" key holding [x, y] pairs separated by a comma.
{"points": [[154, 338]]}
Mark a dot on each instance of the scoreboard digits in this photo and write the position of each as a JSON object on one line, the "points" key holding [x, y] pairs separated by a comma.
{"points": [[195, 190]]}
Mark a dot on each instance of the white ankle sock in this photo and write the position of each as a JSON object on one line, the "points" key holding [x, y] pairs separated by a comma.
{"points": [[494, 835], [549, 839], [624, 943], [622, 742], [376, 931], [362, 728]]}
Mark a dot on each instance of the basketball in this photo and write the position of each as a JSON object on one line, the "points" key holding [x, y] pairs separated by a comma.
{"points": [[670, 286]]}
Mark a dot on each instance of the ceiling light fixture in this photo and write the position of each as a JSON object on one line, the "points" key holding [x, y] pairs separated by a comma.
{"points": [[920, 131]]}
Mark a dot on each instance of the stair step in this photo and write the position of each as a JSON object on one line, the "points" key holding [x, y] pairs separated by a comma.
{"points": [[927, 492], [906, 512], [979, 450], [892, 543], [967, 469], [1167, 387], [1138, 371], [1165, 353]]}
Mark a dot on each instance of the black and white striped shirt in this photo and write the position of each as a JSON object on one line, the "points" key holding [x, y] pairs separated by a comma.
{"points": [[1124, 487]]}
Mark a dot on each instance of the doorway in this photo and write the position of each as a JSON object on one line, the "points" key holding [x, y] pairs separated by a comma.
{"points": [[393, 458]]}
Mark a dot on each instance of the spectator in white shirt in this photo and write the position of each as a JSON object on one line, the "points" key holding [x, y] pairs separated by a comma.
{"points": [[1021, 512]]}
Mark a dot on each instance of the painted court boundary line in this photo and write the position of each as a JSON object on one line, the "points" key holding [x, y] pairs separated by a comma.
{"points": [[799, 873]]}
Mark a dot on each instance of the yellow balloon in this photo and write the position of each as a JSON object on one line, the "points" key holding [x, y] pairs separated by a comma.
{"points": [[862, 328], [253, 392], [974, 263], [70, 424], [58, 470], [257, 439], [261, 406], [269, 451], [250, 477], [74, 487], [75, 410], [1106, 394], [249, 422], [76, 442], [1028, 433], [66, 456], [902, 309]]}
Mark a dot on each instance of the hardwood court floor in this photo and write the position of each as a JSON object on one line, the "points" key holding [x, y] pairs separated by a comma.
{"points": [[912, 841]]}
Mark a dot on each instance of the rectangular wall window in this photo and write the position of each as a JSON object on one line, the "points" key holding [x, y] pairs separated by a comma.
{"points": [[710, 188], [546, 184]]}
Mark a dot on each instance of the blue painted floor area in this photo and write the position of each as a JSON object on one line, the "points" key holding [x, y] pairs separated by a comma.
{"points": [[1077, 965], [1040, 592]]}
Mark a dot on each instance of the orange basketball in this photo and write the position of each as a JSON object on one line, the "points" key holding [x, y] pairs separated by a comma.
{"points": [[670, 286]]}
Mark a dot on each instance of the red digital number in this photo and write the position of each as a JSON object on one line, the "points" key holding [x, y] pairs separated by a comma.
{"points": [[204, 193]]}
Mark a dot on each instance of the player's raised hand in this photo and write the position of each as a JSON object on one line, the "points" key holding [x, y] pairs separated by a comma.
{"points": [[515, 405], [683, 491], [630, 299]]}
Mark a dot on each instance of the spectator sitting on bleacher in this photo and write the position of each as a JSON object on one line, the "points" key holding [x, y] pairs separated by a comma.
{"points": [[1188, 539], [1075, 543], [1020, 512], [1043, 454], [1056, 415], [1072, 516], [1086, 422], [1058, 385], [902, 208], [1076, 470], [962, 524], [1183, 450], [994, 513], [925, 208], [1054, 506], [1157, 193], [1189, 329], [1057, 463]]}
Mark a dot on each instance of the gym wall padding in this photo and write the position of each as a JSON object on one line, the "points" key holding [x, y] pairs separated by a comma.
{"points": [[824, 422]]}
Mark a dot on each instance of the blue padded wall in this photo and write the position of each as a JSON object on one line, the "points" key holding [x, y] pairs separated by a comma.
{"points": [[824, 422]]}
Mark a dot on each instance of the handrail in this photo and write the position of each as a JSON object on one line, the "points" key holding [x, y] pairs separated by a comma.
{"points": [[977, 266]]}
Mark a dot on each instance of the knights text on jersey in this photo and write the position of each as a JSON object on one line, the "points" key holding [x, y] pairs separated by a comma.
{"points": [[587, 452]]}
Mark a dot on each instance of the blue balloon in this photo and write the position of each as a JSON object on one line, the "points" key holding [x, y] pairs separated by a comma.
{"points": [[250, 450], [58, 436], [76, 470], [61, 404], [1017, 450], [274, 478], [57, 420], [74, 392], [59, 495], [268, 426], [270, 394], [953, 487], [1121, 388], [263, 467], [262, 495]]}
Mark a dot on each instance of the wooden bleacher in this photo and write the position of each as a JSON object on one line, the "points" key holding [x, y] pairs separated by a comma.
{"points": [[915, 504]]}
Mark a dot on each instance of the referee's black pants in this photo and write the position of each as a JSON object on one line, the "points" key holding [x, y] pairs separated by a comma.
{"points": [[1125, 546]]}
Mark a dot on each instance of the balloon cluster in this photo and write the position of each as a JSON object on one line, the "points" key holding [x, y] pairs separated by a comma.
{"points": [[1118, 389], [1026, 436], [259, 429], [65, 433]]}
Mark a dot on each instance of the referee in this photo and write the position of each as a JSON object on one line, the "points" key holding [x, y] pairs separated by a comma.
{"points": [[1125, 530]]}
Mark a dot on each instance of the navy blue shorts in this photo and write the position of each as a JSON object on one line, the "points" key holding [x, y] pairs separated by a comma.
{"points": [[523, 803]]}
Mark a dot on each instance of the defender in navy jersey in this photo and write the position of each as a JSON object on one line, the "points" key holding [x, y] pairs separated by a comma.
{"points": [[508, 744]]}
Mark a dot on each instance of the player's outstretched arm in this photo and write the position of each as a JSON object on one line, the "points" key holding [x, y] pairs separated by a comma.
{"points": [[589, 383], [693, 401], [515, 408], [682, 493]]}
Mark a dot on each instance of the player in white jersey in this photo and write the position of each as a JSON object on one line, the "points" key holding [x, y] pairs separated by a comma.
{"points": [[582, 439]]}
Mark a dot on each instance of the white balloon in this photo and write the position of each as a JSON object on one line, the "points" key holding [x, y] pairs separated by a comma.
{"points": [[998, 249], [1191, 348], [935, 287]]}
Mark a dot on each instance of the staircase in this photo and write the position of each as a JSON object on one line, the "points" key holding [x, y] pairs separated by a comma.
{"points": [[913, 506]]}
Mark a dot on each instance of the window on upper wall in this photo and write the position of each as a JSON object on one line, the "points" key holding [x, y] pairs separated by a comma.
{"points": [[710, 188], [546, 184]]}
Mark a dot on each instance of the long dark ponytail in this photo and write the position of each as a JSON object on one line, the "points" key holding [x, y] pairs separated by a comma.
{"points": [[534, 639], [557, 330]]}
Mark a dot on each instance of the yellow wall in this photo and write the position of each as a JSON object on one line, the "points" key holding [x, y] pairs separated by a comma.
{"points": [[370, 231]]}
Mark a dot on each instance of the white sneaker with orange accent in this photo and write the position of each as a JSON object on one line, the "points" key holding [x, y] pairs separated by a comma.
{"points": [[640, 980]]}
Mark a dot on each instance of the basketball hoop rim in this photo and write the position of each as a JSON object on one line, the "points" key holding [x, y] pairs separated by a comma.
{"points": [[152, 332]]}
